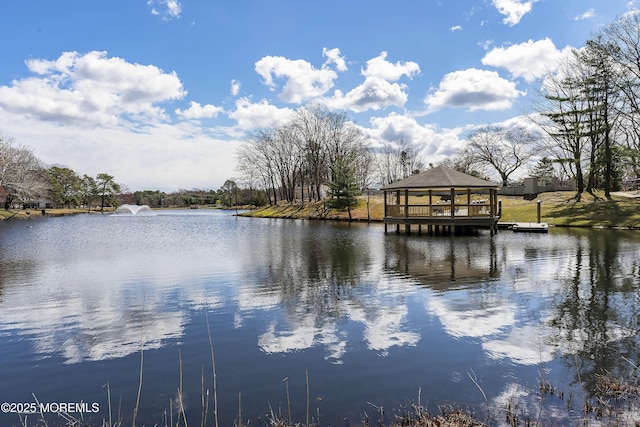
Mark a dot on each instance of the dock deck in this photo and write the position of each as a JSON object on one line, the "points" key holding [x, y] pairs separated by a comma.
{"points": [[530, 227]]}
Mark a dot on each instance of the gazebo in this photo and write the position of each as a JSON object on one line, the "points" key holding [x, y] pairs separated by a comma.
{"points": [[442, 199]]}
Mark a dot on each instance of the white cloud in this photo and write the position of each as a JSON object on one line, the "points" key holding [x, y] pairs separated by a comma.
{"points": [[473, 89], [197, 111], [90, 89], [588, 14], [159, 156], [235, 87], [486, 44], [433, 143], [381, 68], [396, 127], [261, 115], [98, 114], [302, 81], [171, 9], [529, 60], [374, 94], [513, 10], [334, 57], [455, 28], [379, 89]]}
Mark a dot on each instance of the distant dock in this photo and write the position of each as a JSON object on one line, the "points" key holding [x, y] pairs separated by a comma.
{"points": [[525, 227]]}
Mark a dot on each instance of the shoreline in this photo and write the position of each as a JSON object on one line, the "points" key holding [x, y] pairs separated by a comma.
{"points": [[558, 209]]}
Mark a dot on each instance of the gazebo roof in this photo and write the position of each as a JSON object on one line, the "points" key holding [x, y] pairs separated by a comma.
{"points": [[439, 177]]}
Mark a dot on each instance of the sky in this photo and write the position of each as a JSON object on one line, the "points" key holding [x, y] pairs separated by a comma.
{"points": [[161, 93]]}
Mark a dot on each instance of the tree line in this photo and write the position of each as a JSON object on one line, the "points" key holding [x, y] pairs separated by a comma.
{"points": [[228, 195], [26, 181]]}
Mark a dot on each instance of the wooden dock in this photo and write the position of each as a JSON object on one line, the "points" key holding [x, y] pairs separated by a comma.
{"points": [[530, 227]]}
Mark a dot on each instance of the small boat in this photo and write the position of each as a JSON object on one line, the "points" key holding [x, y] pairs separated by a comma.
{"points": [[531, 227]]}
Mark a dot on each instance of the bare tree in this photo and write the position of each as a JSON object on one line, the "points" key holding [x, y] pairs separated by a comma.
{"points": [[305, 154], [623, 36], [314, 125], [22, 174], [464, 162], [397, 161], [365, 175], [505, 149], [623, 39], [255, 161]]}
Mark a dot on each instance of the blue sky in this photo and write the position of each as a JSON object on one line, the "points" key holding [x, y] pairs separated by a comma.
{"points": [[160, 93]]}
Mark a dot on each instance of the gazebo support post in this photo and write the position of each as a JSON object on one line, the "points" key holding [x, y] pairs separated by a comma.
{"points": [[407, 227], [386, 212], [453, 209], [398, 207]]}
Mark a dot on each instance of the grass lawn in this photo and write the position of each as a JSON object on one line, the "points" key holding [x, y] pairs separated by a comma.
{"points": [[34, 213], [561, 209]]}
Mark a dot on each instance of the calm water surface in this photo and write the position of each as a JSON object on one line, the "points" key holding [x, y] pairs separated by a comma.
{"points": [[372, 320]]}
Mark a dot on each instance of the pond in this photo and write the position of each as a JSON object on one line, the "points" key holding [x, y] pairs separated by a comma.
{"points": [[362, 322]]}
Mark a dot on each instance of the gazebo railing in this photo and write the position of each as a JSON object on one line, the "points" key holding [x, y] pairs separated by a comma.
{"points": [[475, 209]]}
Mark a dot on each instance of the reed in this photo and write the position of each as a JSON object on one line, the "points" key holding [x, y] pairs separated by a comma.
{"points": [[307, 381], [286, 382], [180, 392], [135, 410], [213, 367], [614, 401]]}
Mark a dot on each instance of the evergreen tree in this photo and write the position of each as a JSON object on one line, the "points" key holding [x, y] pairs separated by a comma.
{"points": [[344, 187], [64, 186], [88, 191], [600, 92], [107, 190], [544, 169]]}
